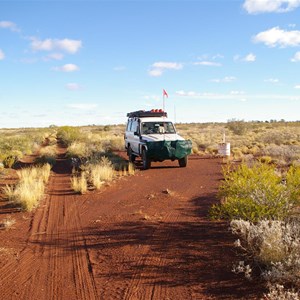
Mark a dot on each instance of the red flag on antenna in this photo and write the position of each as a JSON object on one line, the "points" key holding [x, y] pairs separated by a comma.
{"points": [[165, 93]]}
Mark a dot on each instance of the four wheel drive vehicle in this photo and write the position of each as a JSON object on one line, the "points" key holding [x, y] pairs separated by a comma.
{"points": [[152, 136]]}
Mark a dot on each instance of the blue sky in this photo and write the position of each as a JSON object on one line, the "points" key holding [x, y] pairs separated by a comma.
{"points": [[91, 62]]}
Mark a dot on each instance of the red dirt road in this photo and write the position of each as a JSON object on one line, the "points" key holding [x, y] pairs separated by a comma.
{"points": [[142, 237]]}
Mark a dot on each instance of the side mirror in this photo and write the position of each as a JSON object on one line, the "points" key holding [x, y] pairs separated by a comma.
{"points": [[136, 133]]}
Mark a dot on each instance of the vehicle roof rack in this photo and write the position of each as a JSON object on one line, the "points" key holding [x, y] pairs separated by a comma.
{"points": [[149, 113]]}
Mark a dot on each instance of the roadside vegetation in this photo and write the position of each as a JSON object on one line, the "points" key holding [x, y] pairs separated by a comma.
{"points": [[91, 154], [261, 202], [15, 143], [30, 188], [273, 141], [259, 195]]}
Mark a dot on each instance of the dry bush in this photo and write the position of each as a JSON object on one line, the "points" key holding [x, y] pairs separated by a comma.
{"points": [[78, 149], [79, 183], [279, 292], [283, 154], [116, 143], [8, 191], [131, 169], [273, 245], [28, 194], [280, 135], [32, 174], [47, 155], [96, 175], [101, 172], [30, 188], [48, 151], [128, 169]]}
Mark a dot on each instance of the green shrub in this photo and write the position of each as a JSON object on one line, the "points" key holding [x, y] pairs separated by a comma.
{"points": [[266, 159], [9, 161], [238, 127], [68, 134], [45, 159], [293, 183], [257, 192]]}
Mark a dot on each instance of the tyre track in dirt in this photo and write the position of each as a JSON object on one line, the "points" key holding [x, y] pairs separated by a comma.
{"points": [[146, 236], [149, 236], [136, 289], [55, 263]]}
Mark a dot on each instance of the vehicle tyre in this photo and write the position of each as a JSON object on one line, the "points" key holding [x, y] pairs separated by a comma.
{"points": [[146, 160], [131, 156], [183, 162]]}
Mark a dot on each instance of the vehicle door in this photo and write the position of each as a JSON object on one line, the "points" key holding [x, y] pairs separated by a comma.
{"points": [[135, 135]]}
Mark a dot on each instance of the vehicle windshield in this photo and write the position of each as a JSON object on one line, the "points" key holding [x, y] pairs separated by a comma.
{"points": [[157, 127]]}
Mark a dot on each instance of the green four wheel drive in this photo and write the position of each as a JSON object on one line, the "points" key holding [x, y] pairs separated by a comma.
{"points": [[153, 137]]}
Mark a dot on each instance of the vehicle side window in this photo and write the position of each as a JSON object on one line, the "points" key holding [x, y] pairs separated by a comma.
{"points": [[128, 125], [134, 126]]}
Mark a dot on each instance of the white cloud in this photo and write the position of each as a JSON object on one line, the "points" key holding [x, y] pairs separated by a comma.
{"points": [[67, 68], [83, 106], [2, 55], [225, 79], [278, 37], [167, 65], [297, 86], [67, 45], [250, 57], [208, 63], [158, 68], [9, 25], [296, 57], [272, 80], [269, 6], [73, 86]]}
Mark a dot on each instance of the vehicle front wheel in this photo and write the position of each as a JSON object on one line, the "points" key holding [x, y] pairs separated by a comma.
{"points": [[131, 156], [146, 160], [183, 162]]}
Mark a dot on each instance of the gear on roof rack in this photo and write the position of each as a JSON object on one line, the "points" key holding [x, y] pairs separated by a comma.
{"points": [[149, 113]]}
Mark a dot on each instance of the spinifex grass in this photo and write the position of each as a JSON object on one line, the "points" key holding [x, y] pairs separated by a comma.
{"points": [[131, 169], [79, 184], [28, 193], [49, 151], [32, 174], [30, 188], [101, 173], [8, 191]]}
